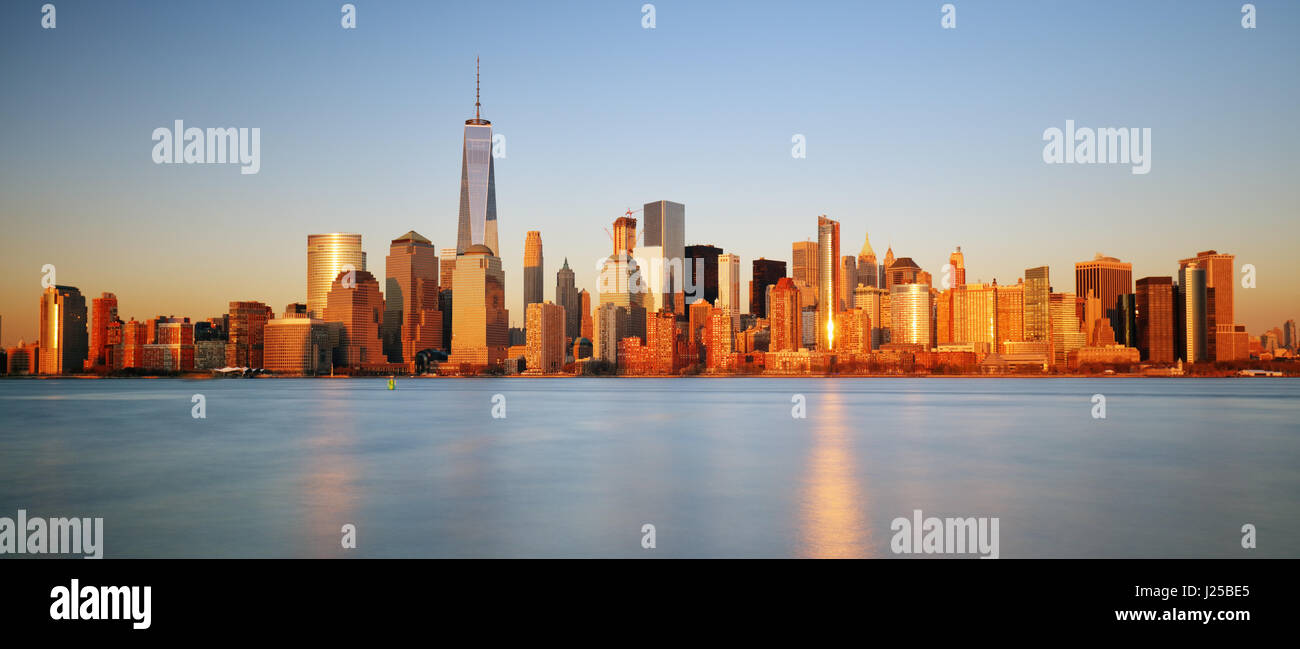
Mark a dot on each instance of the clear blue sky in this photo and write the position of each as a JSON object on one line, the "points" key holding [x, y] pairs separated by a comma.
{"points": [[927, 138]]}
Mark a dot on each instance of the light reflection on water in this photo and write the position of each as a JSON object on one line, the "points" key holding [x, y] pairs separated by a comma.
{"points": [[717, 465]]}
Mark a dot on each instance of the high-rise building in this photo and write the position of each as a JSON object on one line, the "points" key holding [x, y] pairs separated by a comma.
{"points": [[478, 185], [884, 268], [245, 340], [707, 286], [546, 337], [297, 346], [868, 269], [904, 271], [412, 318], [729, 285], [665, 229], [785, 317], [828, 281], [958, 262], [566, 294], [357, 304], [533, 269], [847, 282], [103, 313], [1289, 336], [911, 308], [479, 317], [975, 314], [327, 256], [803, 265], [624, 234], [1155, 319], [1192, 313], [611, 327], [64, 343], [766, 273], [1107, 278], [586, 328], [1064, 326], [1011, 314], [721, 339], [1219, 280], [1038, 288], [446, 269]]}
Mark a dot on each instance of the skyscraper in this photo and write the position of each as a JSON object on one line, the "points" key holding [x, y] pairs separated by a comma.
{"points": [[566, 294], [1107, 278], [1155, 319], [624, 234], [828, 281], [534, 269], [356, 303], [1219, 280], [446, 269], [64, 343], [766, 273], [478, 186], [245, 339], [1192, 313], [847, 281], [729, 285], [1038, 288], [803, 265], [910, 306], [868, 270], [479, 317], [412, 319], [786, 319], [327, 256], [707, 286], [103, 313], [958, 262], [586, 327], [546, 337], [665, 227]]}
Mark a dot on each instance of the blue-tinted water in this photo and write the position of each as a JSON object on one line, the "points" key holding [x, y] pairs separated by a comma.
{"points": [[718, 466]]}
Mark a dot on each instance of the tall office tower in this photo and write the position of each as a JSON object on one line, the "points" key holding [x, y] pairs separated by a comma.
{"points": [[905, 271], [785, 318], [297, 345], [975, 314], [884, 268], [721, 340], [958, 262], [1096, 323], [1064, 325], [868, 270], [64, 343], [828, 281], [1219, 279], [943, 319], [1037, 316], [611, 326], [665, 228], [134, 338], [359, 306], [766, 272], [103, 312], [245, 339], [479, 319], [911, 307], [533, 269], [854, 330], [729, 284], [478, 184], [1289, 335], [1107, 278], [707, 286], [446, 269], [566, 294], [698, 315], [848, 281], [546, 337], [412, 317], [875, 300], [1192, 313], [327, 256], [1155, 319], [586, 327], [1127, 336], [1011, 314], [444, 307], [624, 234], [803, 265]]}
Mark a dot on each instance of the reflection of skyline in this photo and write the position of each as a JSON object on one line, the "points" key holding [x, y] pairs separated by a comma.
{"points": [[832, 509], [328, 480]]}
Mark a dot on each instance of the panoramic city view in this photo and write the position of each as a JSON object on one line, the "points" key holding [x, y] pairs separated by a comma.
{"points": [[650, 280]]}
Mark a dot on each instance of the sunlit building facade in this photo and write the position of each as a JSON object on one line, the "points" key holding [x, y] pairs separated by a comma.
{"points": [[327, 256]]}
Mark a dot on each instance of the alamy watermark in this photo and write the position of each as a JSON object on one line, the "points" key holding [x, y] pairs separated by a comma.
{"points": [[1084, 145], [182, 145], [945, 535]]}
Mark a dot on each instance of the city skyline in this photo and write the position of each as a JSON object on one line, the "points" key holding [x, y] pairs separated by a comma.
{"points": [[117, 232]]}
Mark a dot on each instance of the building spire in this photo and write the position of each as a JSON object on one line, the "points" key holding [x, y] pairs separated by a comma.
{"points": [[476, 104]]}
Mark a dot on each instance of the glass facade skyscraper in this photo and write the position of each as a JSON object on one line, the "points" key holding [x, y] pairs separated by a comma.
{"points": [[478, 186], [327, 255]]}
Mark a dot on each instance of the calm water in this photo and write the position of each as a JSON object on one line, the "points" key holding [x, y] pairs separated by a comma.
{"points": [[719, 466]]}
